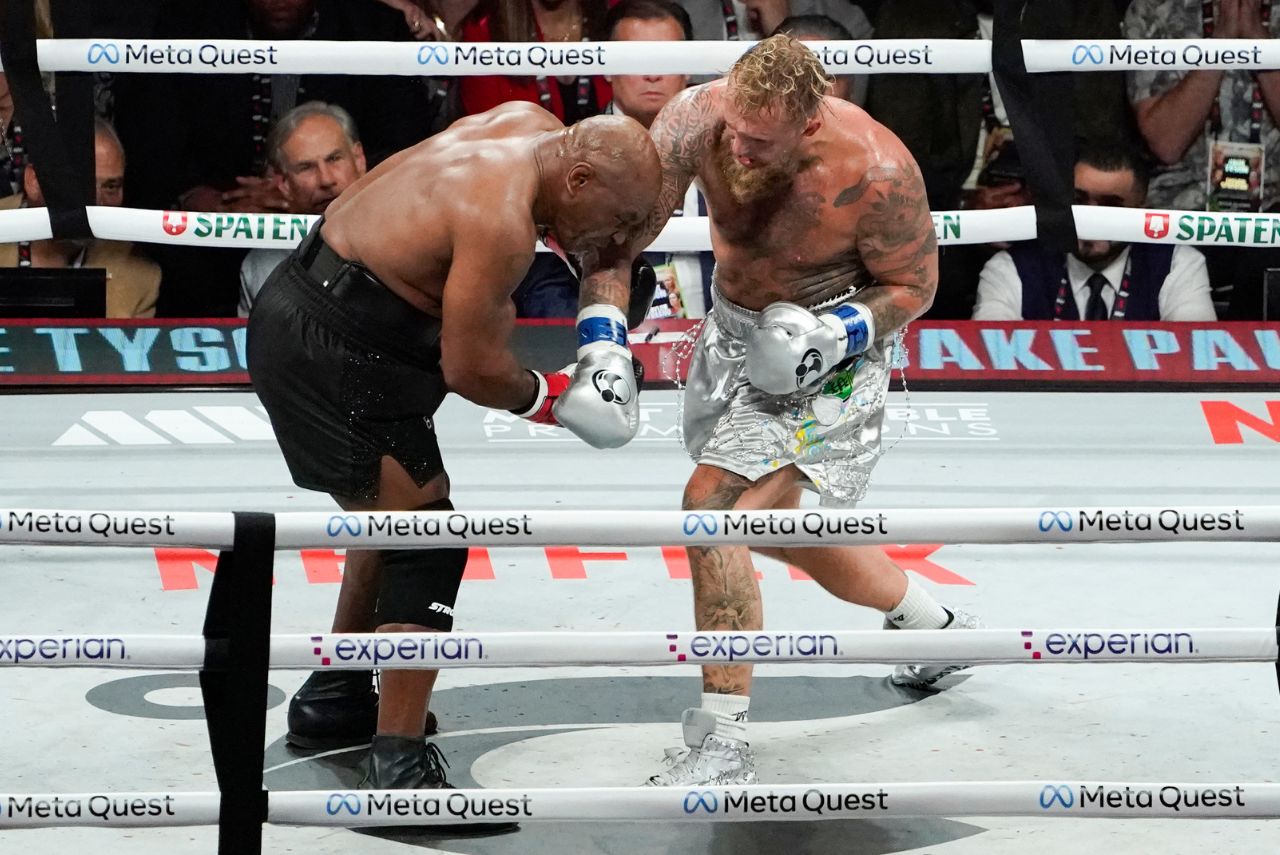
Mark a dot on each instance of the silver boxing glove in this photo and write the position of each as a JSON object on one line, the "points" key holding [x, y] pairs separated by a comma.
{"points": [[793, 350], [602, 403]]}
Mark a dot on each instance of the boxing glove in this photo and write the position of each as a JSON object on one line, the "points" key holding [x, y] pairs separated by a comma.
{"points": [[792, 349], [644, 284], [602, 403]]}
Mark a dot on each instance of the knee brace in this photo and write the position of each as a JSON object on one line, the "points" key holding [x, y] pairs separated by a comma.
{"points": [[420, 586]]}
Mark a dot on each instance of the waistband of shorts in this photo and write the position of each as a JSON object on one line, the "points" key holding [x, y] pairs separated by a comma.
{"points": [[365, 304], [739, 320], [729, 315]]}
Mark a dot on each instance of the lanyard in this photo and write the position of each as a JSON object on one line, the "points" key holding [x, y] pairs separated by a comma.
{"points": [[989, 118], [584, 87], [1255, 100], [17, 151], [584, 94], [261, 120], [1065, 293], [730, 20]]}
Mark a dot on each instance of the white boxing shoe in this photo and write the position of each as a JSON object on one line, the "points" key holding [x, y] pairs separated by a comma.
{"points": [[924, 676], [709, 759]]}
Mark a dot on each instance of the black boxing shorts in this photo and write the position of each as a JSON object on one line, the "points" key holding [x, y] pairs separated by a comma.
{"points": [[347, 371]]}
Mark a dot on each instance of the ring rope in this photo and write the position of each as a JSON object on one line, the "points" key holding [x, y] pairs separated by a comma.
{"points": [[755, 802], [452, 59], [681, 234], [415, 529], [362, 651]]}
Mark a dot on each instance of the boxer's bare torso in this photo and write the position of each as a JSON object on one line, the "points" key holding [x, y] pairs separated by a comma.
{"points": [[852, 214], [479, 178]]}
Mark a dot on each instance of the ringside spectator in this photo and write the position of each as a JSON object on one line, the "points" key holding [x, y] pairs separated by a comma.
{"points": [[570, 98], [133, 282], [684, 278], [1213, 132], [314, 152], [754, 19], [1101, 280], [203, 136]]}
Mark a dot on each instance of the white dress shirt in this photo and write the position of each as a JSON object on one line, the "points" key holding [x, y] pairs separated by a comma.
{"points": [[1184, 296], [254, 270]]}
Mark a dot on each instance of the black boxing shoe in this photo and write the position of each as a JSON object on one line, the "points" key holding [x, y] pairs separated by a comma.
{"points": [[333, 709], [337, 709], [405, 763]]}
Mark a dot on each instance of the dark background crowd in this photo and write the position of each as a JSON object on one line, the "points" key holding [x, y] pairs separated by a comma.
{"points": [[284, 143]]}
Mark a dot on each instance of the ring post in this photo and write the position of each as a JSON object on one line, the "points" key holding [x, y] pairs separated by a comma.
{"points": [[233, 683]]}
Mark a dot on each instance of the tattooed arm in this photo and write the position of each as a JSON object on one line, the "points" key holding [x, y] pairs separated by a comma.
{"points": [[684, 132], [896, 241]]}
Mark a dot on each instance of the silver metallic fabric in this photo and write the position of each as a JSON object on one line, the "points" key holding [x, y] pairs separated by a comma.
{"points": [[832, 436]]}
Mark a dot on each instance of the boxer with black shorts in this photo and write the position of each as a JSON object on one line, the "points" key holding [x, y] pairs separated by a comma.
{"points": [[401, 294]]}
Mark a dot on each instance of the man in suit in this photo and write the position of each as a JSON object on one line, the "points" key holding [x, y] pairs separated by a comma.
{"points": [[133, 282], [1102, 280]]}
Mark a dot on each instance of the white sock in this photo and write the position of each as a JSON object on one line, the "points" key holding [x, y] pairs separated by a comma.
{"points": [[730, 712], [918, 610]]}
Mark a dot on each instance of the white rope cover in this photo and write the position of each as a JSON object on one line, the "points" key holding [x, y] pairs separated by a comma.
{"points": [[304, 56], [876, 56], [330, 651], [1049, 798], [1149, 54], [311, 530], [681, 234]]}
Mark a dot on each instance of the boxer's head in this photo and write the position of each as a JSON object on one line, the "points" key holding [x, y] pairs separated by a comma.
{"points": [[600, 180], [772, 103]]}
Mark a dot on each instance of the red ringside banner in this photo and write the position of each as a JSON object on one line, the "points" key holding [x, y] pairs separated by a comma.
{"points": [[1020, 354]]}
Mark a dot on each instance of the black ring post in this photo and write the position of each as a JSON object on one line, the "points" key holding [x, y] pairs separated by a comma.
{"points": [[233, 683]]}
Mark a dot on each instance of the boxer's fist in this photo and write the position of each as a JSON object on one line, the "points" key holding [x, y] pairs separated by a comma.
{"points": [[602, 403], [550, 388], [792, 349]]}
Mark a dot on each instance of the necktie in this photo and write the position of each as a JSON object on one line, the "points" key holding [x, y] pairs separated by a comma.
{"points": [[1096, 309]]}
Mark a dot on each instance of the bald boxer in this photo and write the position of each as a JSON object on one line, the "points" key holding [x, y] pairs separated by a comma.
{"points": [[401, 294]]}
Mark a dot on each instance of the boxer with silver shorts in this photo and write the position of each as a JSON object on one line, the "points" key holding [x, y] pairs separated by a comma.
{"points": [[824, 250]]}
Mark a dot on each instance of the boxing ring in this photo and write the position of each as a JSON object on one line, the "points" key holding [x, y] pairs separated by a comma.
{"points": [[1088, 545], [980, 765]]}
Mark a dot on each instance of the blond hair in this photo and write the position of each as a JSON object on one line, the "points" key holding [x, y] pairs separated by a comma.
{"points": [[782, 74]]}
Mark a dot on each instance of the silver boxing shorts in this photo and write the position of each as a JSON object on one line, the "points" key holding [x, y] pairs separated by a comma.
{"points": [[832, 436]]}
